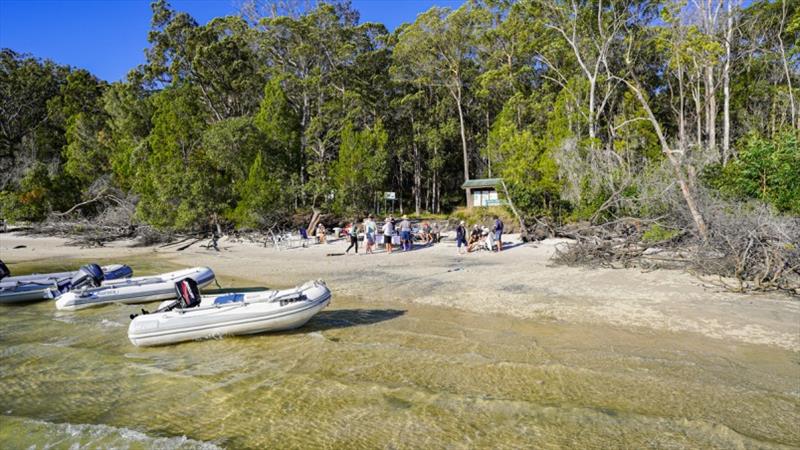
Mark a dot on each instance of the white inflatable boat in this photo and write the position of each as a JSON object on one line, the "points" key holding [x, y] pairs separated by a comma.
{"points": [[193, 317], [133, 290], [46, 286]]}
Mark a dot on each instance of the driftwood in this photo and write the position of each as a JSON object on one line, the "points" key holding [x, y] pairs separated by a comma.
{"points": [[312, 225], [744, 252]]}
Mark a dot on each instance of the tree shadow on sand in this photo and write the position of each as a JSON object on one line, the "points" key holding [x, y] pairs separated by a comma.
{"points": [[345, 318]]}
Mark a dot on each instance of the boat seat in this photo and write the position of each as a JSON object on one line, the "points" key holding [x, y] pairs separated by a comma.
{"points": [[228, 298]]}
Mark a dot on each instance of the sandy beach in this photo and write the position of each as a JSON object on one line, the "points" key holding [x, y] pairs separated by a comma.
{"points": [[521, 282]]}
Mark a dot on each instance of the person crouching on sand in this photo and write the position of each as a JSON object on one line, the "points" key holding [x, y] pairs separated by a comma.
{"points": [[388, 230], [321, 232]]}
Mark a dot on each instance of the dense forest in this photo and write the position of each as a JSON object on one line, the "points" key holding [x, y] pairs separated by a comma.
{"points": [[588, 110]]}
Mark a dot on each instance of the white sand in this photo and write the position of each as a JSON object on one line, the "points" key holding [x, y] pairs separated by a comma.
{"points": [[521, 282]]}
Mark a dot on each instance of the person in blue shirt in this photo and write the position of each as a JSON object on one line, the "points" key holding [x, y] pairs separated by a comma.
{"points": [[498, 233]]}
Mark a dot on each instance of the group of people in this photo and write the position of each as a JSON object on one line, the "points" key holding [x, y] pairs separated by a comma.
{"points": [[481, 238], [391, 233]]}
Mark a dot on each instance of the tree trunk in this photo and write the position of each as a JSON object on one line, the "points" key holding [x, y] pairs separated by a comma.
{"points": [[795, 120], [681, 110], [726, 88], [488, 155], [523, 230], [457, 96], [698, 109], [417, 179], [592, 132], [684, 185], [711, 109]]}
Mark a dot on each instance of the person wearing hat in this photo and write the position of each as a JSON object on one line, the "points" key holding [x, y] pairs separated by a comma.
{"points": [[405, 233], [461, 236], [388, 230], [475, 236]]}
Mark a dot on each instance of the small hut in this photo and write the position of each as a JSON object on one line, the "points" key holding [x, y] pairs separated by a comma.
{"points": [[482, 192]]}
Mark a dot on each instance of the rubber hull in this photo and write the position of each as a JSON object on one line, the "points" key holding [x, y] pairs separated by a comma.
{"points": [[250, 313], [36, 287], [134, 290]]}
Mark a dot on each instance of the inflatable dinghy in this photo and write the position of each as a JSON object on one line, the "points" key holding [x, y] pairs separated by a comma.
{"points": [[192, 317], [133, 290], [46, 286]]}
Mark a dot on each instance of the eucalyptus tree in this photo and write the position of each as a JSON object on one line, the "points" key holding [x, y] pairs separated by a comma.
{"points": [[27, 132], [440, 49], [326, 62], [217, 58]]}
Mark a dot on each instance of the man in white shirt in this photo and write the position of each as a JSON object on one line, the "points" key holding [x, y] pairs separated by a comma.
{"points": [[388, 231]]}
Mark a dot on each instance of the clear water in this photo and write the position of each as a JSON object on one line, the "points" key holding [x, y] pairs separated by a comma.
{"points": [[364, 374]]}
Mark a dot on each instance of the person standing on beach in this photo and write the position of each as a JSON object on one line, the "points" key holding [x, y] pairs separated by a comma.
{"points": [[388, 230], [405, 233], [353, 233], [461, 236], [370, 228], [498, 233]]}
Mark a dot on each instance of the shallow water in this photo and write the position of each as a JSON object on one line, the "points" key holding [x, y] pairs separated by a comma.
{"points": [[364, 374]]}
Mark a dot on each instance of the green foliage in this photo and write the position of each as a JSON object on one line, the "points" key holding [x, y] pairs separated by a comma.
{"points": [[261, 196], [279, 126], [129, 110], [174, 176], [247, 120], [767, 169], [361, 169], [39, 193], [485, 216], [525, 162], [656, 233]]}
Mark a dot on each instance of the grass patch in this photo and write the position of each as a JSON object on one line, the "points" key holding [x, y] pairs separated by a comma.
{"points": [[657, 233]]}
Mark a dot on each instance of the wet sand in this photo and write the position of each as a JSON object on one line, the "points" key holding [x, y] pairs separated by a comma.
{"points": [[521, 282]]}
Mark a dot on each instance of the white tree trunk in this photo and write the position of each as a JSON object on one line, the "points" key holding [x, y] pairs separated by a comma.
{"points": [[457, 96], [711, 109], [795, 121], [726, 89], [702, 229]]}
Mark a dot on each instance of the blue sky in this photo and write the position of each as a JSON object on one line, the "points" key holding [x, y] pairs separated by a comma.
{"points": [[108, 37]]}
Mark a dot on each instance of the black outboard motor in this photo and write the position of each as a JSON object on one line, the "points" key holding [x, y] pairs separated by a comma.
{"points": [[188, 296], [90, 275], [188, 293], [4, 270]]}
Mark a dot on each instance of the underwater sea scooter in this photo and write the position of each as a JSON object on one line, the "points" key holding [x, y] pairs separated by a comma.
{"points": [[192, 316]]}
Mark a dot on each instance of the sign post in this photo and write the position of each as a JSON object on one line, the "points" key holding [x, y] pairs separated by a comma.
{"points": [[389, 196]]}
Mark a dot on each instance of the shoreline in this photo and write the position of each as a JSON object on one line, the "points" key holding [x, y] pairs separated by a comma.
{"points": [[520, 282]]}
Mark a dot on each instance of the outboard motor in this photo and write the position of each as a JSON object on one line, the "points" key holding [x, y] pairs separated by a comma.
{"points": [[90, 275], [188, 296], [188, 293], [4, 270]]}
